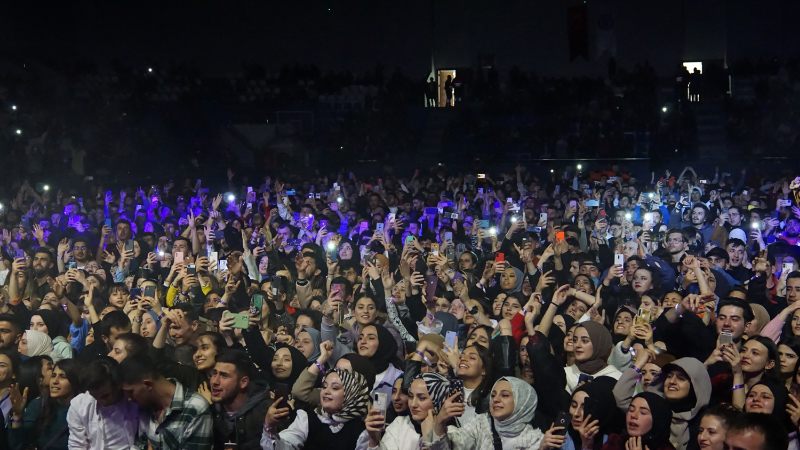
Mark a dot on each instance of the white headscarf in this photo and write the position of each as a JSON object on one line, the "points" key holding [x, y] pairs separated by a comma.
{"points": [[40, 344], [525, 401]]}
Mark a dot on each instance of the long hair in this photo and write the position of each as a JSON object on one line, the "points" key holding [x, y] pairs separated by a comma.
{"points": [[485, 386], [773, 374], [72, 369], [30, 372]]}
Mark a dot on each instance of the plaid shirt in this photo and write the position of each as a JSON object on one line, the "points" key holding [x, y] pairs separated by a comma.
{"points": [[186, 424]]}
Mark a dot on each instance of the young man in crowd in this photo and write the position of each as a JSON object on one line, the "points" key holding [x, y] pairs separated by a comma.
{"points": [[172, 418], [102, 417]]}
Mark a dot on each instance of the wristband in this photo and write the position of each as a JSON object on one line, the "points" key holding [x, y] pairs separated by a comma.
{"points": [[302, 282], [638, 370], [160, 316], [738, 386], [428, 315], [319, 366], [425, 358], [223, 303], [15, 420]]}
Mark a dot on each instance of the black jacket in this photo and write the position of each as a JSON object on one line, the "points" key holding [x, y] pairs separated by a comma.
{"points": [[245, 428]]}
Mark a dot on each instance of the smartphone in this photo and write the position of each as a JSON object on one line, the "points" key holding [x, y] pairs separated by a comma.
{"points": [[456, 387], [150, 291], [480, 190], [213, 260], [560, 236], [643, 318], [481, 176], [409, 239], [291, 192], [563, 420], [499, 257], [282, 392], [483, 224], [136, 292], [223, 264], [241, 321], [338, 289], [191, 269], [450, 338], [431, 211], [787, 268], [323, 224], [129, 245], [543, 217], [725, 338], [256, 306], [379, 226], [380, 402], [450, 254], [594, 203], [108, 223], [435, 249], [178, 257], [619, 259], [72, 265], [219, 235], [448, 235], [19, 253], [581, 378]]}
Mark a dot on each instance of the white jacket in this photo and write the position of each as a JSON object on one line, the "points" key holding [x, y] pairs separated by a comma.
{"points": [[573, 373], [477, 435], [400, 435]]}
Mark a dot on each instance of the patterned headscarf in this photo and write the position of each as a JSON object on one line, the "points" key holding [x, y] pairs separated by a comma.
{"points": [[356, 397], [438, 387]]}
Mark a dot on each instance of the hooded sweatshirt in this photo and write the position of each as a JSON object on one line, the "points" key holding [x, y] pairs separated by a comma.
{"points": [[701, 387]]}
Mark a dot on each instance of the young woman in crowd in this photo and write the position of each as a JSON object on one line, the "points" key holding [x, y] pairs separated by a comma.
{"points": [[337, 423], [43, 422], [647, 425], [592, 347]]}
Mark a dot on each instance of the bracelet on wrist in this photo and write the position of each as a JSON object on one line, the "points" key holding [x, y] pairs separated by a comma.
{"points": [[319, 366], [638, 370], [738, 386]]}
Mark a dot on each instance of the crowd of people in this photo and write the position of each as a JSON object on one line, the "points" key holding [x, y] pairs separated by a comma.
{"points": [[584, 309]]}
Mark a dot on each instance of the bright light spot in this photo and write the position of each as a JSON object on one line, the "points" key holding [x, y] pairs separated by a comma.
{"points": [[493, 230], [339, 200], [551, 170], [231, 198], [628, 216], [19, 131], [14, 107], [149, 70], [579, 167], [513, 220], [331, 246], [664, 109], [46, 187]]}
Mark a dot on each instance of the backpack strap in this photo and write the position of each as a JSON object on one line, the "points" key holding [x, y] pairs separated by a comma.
{"points": [[498, 444]]}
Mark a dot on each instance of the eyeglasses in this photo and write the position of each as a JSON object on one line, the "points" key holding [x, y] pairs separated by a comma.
{"points": [[79, 247], [675, 240]]}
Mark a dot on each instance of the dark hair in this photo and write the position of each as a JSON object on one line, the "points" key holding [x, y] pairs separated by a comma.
{"points": [[98, 372], [238, 358], [486, 328], [15, 322], [216, 339], [684, 237], [485, 387], [12, 356], [747, 311], [136, 370], [118, 287], [772, 353], [591, 282], [724, 412], [114, 319], [72, 369], [736, 243], [792, 276], [184, 354], [135, 344], [189, 313], [30, 371], [655, 277], [314, 315], [775, 436]]}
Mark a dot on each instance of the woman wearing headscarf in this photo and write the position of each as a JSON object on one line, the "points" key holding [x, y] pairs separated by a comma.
{"points": [[377, 344], [305, 389], [684, 383], [594, 416], [768, 397], [513, 406], [308, 341], [426, 397], [336, 424], [647, 425], [592, 347], [287, 365], [56, 325], [36, 343]]}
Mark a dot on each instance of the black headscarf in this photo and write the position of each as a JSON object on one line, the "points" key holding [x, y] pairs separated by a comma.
{"points": [[54, 321], [387, 349], [299, 363], [781, 396], [662, 420], [363, 366], [603, 408]]}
